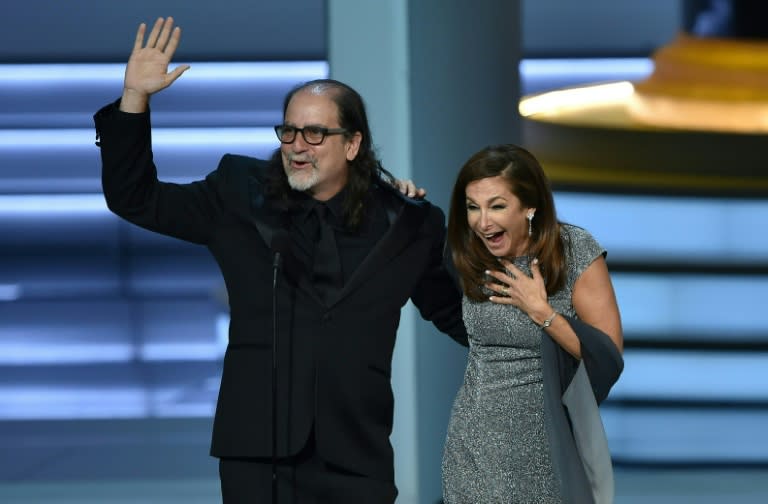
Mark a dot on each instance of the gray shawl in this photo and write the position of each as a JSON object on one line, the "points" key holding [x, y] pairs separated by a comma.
{"points": [[573, 389]]}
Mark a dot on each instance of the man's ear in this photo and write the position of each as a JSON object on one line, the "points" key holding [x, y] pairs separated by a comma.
{"points": [[353, 145]]}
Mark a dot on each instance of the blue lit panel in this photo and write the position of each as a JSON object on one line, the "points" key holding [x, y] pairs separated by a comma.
{"points": [[78, 75], [117, 359], [187, 138], [92, 331], [686, 435], [663, 228], [46, 119], [43, 401], [189, 271], [32, 224], [70, 161], [197, 398], [537, 75], [93, 274], [678, 306], [172, 332], [65, 332], [691, 375], [208, 94], [49, 206]]}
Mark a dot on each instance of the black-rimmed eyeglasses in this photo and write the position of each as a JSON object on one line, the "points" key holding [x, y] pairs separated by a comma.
{"points": [[313, 135]]}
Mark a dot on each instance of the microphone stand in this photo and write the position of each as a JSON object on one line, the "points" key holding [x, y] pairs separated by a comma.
{"points": [[275, 269]]}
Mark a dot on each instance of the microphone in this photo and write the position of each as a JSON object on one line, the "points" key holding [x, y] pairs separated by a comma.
{"points": [[281, 247]]}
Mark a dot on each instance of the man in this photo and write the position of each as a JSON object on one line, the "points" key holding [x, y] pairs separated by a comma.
{"points": [[320, 229]]}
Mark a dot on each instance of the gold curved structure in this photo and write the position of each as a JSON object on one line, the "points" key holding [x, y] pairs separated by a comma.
{"points": [[697, 124]]}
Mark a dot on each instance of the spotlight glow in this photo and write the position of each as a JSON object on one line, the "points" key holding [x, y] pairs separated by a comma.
{"points": [[552, 103]]}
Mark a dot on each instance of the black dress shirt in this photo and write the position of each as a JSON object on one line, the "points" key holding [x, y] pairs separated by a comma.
{"points": [[353, 245]]}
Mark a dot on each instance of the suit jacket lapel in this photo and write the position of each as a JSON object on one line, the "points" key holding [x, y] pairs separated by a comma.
{"points": [[405, 220], [266, 221]]}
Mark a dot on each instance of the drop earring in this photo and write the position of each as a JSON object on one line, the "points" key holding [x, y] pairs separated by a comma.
{"points": [[530, 223]]}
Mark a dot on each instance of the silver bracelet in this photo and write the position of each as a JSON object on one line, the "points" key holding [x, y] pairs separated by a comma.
{"points": [[548, 321]]}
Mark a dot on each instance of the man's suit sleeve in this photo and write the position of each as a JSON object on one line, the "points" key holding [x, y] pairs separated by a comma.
{"points": [[437, 295], [132, 189]]}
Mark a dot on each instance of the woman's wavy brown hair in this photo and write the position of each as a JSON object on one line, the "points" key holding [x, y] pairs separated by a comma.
{"points": [[528, 182]]}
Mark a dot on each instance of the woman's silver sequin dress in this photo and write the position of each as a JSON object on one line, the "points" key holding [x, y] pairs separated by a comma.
{"points": [[496, 450]]}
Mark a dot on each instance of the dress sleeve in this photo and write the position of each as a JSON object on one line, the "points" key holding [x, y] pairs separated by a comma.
{"points": [[582, 249]]}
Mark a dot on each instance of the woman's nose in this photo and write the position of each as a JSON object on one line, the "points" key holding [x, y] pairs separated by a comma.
{"points": [[484, 221]]}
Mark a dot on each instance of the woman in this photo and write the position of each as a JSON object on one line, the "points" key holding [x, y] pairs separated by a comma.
{"points": [[540, 310]]}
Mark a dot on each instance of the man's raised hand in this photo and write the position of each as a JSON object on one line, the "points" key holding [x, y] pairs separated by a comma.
{"points": [[147, 69]]}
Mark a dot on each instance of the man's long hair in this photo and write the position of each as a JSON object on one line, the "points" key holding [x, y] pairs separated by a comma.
{"points": [[526, 180], [364, 170]]}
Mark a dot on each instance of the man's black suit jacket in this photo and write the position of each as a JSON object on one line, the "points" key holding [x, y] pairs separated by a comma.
{"points": [[334, 360]]}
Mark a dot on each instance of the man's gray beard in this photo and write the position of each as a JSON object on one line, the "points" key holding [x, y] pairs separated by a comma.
{"points": [[301, 182]]}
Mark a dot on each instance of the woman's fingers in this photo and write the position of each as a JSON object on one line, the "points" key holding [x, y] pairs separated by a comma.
{"points": [[535, 271]]}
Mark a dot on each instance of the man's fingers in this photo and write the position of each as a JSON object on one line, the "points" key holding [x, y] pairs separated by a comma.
{"points": [[139, 42], [165, 34], [155, 33], [408, 188], [176, 73], [173, 43]]}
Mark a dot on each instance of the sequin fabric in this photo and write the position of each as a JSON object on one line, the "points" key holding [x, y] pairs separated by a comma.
{"points": [[496, 450]]}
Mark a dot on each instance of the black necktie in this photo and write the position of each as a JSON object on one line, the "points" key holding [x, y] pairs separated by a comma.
{"points": [[327, 265]]}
